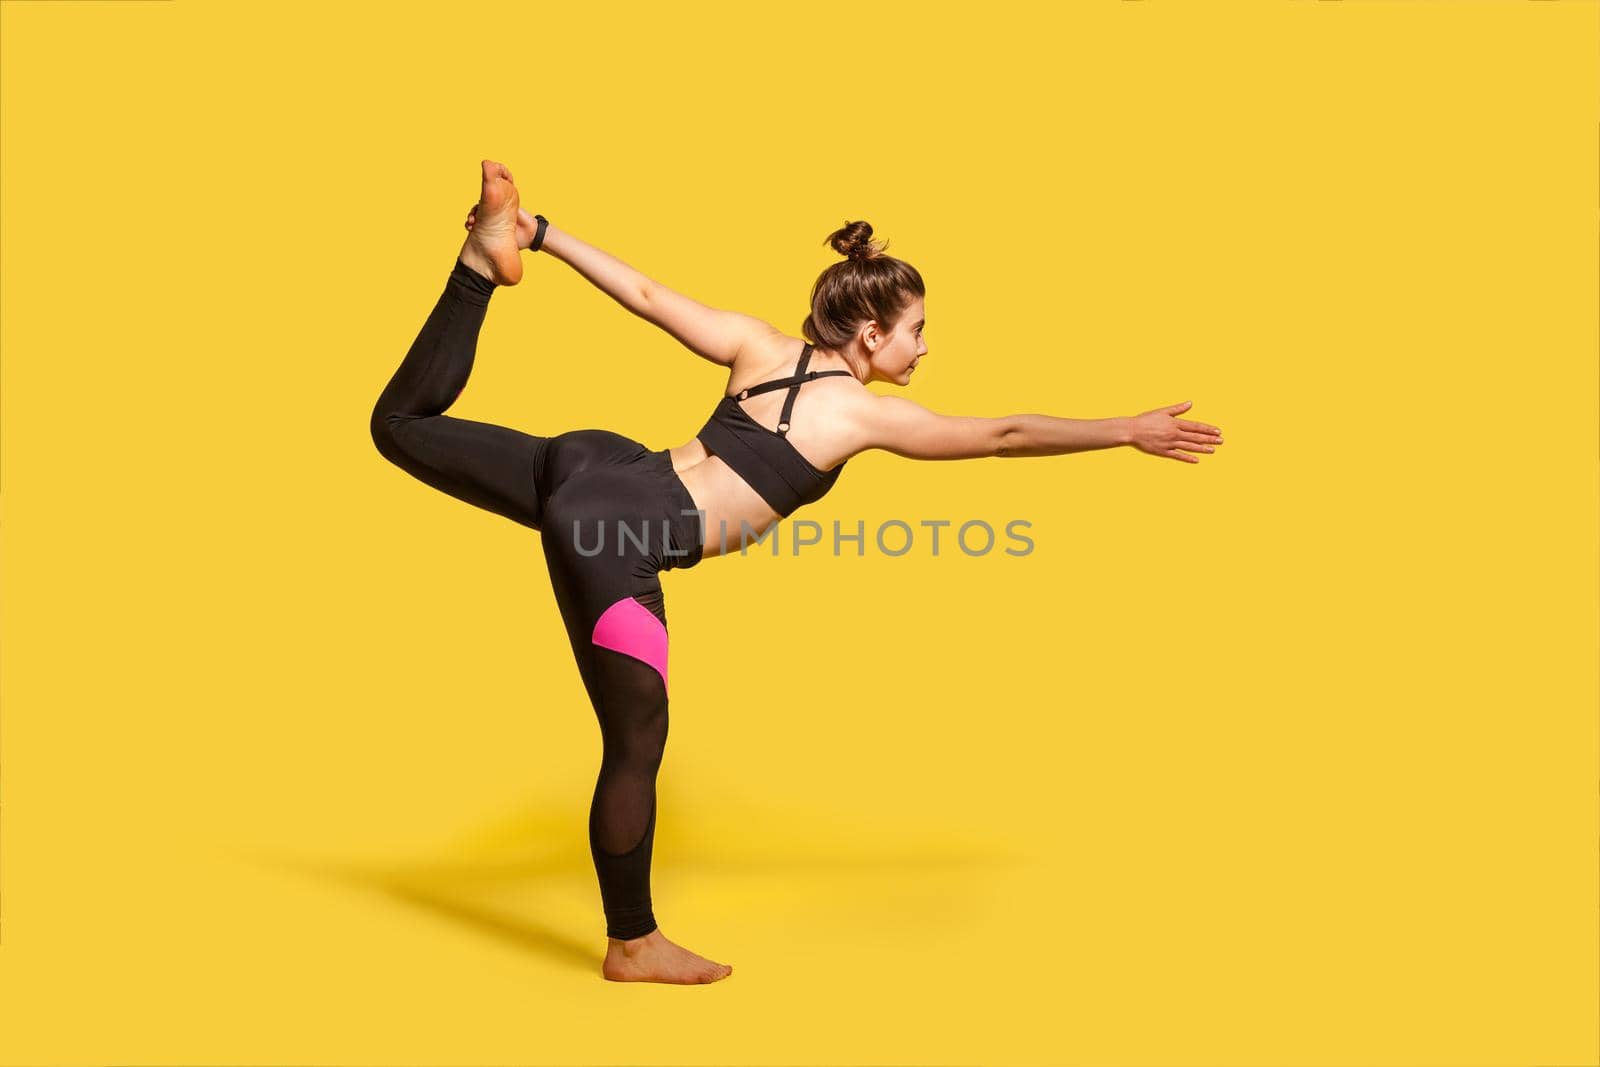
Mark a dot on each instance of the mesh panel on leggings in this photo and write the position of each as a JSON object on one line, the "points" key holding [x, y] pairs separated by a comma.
{"points": [[631, 704], [633, 724]]}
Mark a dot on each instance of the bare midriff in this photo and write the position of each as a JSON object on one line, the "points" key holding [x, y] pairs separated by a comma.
{"points": [[726, 499]]}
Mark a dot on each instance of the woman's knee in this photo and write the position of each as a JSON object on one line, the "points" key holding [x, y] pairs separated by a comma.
{"points": [[387, 432], [382, 430], [633, 726]]}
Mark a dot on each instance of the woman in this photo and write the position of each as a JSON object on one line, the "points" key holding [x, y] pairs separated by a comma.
{"points": [[612, 513]]}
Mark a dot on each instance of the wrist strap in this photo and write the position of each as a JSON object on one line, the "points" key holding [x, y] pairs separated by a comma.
{"points": [[538, 237]]}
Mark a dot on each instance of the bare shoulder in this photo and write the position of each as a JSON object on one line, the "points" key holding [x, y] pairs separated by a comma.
{"points": [[907, 428], [768, 353], [853, 419]]}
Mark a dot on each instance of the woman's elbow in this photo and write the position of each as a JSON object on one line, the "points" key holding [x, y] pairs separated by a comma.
{"points": [[1008, 438]]}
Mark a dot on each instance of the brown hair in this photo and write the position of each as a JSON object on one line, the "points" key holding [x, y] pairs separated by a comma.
{"points": [[866, 285]]}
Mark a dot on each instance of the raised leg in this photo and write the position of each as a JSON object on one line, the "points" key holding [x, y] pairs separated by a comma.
{"points": [[488, 466]]}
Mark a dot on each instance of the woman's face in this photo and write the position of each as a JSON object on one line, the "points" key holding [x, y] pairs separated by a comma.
{"points": [[898, 353]]}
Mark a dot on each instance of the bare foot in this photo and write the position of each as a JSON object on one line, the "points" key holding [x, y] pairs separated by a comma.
{"points": [[652, 958], [491, 247], [527, 225]]}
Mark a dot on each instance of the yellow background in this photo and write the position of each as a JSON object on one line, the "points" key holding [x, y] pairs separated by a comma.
{"points": [[1285, 757]]}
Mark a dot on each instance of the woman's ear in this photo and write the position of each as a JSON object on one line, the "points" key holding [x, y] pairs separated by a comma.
{"points": [[870, 336]]}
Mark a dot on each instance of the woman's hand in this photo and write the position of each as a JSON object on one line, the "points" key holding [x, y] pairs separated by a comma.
{"points": [[527, 225], [1160, 433]]}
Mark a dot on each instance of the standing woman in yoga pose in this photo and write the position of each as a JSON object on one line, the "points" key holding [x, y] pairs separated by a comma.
{"points": [[613, 514]]}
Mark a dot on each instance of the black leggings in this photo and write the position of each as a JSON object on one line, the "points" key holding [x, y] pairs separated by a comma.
{"points": [[612, 514]]}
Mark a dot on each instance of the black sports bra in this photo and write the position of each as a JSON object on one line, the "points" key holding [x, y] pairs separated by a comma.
{"points": [[765, 458]]}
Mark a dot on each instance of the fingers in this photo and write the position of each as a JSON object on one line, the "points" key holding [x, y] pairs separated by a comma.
{"points": [[1197, 427], [1181, 450]]}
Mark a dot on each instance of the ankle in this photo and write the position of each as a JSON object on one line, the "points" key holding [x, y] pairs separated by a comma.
{"points": [[635, 945], [474, 262]]}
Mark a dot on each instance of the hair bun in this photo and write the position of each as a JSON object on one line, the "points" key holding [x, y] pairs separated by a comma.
{"points": [[854, 241]]}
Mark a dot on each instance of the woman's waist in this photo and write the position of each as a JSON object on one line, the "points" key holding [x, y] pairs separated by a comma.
{"points": [[731, 508]]}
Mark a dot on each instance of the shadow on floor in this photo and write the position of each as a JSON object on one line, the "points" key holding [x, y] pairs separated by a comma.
{"points": [[543, 848]]}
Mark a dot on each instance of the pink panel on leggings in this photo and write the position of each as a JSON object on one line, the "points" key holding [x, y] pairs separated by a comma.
{"points": [[629, 627]]}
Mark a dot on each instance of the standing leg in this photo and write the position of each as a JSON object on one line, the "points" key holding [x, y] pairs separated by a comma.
{"points": [[491, 467], [630, 702], [615, 617]]}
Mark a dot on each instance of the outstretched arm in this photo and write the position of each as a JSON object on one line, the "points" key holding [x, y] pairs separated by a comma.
{"points": [[906, 428], [708, 332]]}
